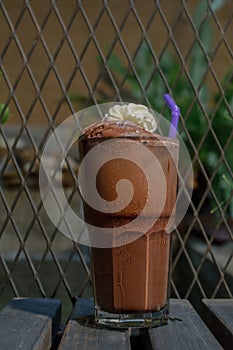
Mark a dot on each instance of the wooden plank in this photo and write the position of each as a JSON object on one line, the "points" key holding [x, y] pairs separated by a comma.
{"points": [[82, 333], [218, 315], [186, 331], [29, 323], [82, 337]]}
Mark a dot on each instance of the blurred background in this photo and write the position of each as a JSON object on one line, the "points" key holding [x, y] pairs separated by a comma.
{"points": [[58, 57]]}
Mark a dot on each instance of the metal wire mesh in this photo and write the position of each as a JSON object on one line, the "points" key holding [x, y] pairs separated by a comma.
{"points": [[60, 57]]}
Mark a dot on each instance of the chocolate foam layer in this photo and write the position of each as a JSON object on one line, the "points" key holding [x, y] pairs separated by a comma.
{"points": [[113, 129]]}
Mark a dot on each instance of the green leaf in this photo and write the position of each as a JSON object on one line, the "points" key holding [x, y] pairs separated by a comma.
{"points": [[198, 13], [217, 4], [116, 65], [4, 113]]}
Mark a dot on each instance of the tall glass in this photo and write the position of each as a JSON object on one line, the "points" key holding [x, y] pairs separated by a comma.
{"points": [[132, 279]]}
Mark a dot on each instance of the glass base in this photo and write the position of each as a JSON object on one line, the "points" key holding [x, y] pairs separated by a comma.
{"points": [[137, 320]]}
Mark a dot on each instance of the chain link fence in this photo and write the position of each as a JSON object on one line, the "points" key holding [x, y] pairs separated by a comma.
{"points": [[59, 57]]}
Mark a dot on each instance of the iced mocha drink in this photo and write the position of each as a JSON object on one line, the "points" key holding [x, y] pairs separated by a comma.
{"points": [[131, 281]]}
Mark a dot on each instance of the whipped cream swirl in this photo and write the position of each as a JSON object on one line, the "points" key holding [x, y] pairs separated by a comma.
{"points": [[132, 112]]}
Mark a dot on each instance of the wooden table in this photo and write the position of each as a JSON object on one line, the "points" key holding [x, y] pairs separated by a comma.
{"points": [[33, 323]]}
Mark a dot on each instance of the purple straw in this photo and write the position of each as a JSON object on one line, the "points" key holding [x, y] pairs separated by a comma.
{"points": [[175, 115]]}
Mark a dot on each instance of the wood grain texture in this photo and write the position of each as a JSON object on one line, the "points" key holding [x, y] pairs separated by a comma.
{"points": [[29, 323], [81, 337], [218, 315], [81, 332], [189, 332]]}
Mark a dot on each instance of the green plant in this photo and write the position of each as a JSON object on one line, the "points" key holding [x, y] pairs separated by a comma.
{"points": [[222, 125], [4, 113]]}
